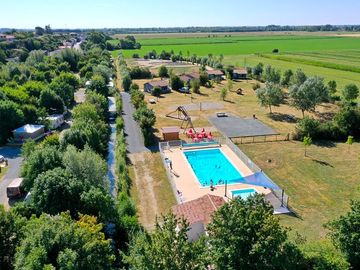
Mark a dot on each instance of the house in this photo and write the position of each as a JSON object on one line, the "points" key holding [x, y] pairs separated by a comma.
{"points": [[7, 37], [170, 133], [240, 74], [162, 84], [27, 131], [198, 213], [215, 74], [187, 78], [56, 120]]}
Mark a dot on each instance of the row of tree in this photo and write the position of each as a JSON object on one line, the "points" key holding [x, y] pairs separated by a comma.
{"points": [[244, 234]]}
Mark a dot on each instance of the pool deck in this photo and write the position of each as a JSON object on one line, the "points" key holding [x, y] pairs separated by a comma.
{"points": [[189, 187]]}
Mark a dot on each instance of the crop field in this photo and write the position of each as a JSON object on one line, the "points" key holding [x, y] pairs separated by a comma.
{"points": [[334, 57], [235, 45]]}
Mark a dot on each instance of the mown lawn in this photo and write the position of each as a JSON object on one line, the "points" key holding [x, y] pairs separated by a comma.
{"points": [[320, 186]]}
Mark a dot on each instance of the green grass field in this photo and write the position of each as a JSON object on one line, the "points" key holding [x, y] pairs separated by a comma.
{"points": [[332, 57], [245, 44], [320, 186]]}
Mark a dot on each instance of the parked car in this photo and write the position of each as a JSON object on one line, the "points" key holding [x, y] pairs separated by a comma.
{"points": [[184, 89], [14, 189]]}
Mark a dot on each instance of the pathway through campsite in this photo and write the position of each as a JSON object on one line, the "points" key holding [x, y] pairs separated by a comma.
{"points": [[140, 157]]}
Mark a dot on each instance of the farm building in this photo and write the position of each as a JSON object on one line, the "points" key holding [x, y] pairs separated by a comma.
{"points": [[163, 85], [7, 37], [28, 132], [56, 120], [215, 74], [198, 213], [170, 133], [187, 78], [240, 74]]}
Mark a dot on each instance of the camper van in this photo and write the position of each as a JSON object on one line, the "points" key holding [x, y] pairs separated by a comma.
{"points": [[14, 188]]}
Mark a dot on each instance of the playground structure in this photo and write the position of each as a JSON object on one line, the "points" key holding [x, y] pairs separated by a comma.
{"points": [[183, 115]]}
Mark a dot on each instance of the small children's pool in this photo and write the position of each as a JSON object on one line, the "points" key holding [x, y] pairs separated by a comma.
{"points": [[243, 193], [212, 167]]}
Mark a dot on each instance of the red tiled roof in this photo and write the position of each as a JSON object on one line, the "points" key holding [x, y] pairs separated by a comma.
{"points": [[214, 72], [185, 78], [240, 71], [162, 83], [194, 75], [199, 210]]}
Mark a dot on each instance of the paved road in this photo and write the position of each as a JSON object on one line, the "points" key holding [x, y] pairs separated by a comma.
{"points": [[15, 159], [134, 137]]}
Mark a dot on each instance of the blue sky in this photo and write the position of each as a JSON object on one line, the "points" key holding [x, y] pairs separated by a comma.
{"points": [[165, 13]]}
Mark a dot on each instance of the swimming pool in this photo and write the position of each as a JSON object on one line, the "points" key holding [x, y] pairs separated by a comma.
{"points": [[243, 193], [212, 166]]}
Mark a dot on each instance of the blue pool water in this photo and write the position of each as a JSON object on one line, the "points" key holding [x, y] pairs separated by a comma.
{"points": [[243, 193], [212, 165]]}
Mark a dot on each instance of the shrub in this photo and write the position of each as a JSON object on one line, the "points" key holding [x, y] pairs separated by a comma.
{"points": [[256, 86], [140, 73], [195, 86], [176, 83], [307, 127]]}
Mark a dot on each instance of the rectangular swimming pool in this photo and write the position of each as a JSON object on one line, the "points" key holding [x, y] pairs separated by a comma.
{"points": [[212, 166], [243, 193]]}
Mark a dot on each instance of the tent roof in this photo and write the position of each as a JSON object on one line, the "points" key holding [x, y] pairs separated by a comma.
{"points": [[260, 179]]}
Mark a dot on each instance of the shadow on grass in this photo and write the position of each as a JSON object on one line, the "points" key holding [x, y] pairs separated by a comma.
{"points": [[229, 101], [322, 143], [321, 162], [281, 117], [293, 214]]}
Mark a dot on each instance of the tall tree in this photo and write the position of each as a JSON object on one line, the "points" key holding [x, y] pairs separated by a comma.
{"points": [[350, 92], [345, 234], [245, 234], [167, 247], [176, 82], [299, 77], [39, 161], [11, 117], [309, 94], [10, 235], [272, 75], [163, 72], [271, 95], [58, 242], [288, 74], [98, 85]]}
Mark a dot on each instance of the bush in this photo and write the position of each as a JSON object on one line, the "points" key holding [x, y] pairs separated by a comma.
{"points": [[176, 83], [140, 73], [307, 127], [163, 72], [256, 86], [195, 86]]}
